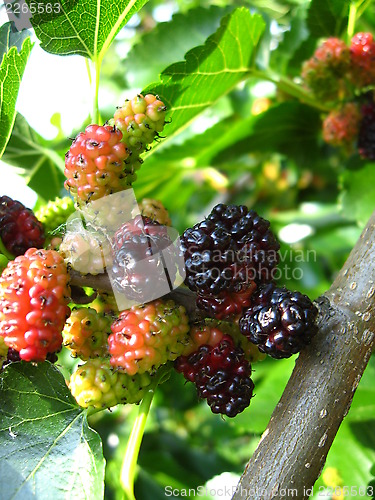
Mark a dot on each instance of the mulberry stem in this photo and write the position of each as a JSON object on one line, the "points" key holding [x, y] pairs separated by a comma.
{"points": [[134, 443]]}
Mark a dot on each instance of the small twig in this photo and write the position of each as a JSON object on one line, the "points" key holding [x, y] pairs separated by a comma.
{"points": [[181, 295]]}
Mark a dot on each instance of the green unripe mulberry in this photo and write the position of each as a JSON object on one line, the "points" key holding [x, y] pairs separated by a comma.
{"points": [[96, 384], [55, 213]]}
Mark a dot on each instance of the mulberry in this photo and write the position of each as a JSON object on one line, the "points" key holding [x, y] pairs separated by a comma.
{"points": [[34, 296], [279, 321], [146, 337], [19, 228]]}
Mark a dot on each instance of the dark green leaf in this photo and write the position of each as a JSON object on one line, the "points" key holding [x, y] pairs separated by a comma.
{"points": [[41, 165], [172, 40], [358, 196], [85, 27], [290, 128], [47, 449], [210, 71], [183, 164], [15, 52], [327, 17]]}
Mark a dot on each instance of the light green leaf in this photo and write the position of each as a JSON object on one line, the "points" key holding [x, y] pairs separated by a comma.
{"points": [[47, 449], [363, 406], [85, 27], [358, 193], [36, 161], [354, 467], [211, 70], [172, 40], [270, 378], [15, 51], [9, 39]]}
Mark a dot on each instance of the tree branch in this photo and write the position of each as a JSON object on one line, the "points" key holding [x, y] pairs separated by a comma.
{"points": [[294, 447]]}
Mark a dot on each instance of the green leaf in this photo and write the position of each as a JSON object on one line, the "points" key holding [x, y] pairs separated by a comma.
{"points": [[164, 172], [9, 39], [354, 467], [47, 449], [41, 166], [270, 378], [272, 8], [358, 193], [172, 40], [84, 27], [327, 17], [210, 71], [15, 51], [290, 128], [363, 406]]}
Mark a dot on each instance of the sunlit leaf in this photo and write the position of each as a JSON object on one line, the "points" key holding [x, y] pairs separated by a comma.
{"points": [[172, 40], [14, 50], [36, 161], [85, 27], [211, 70]]}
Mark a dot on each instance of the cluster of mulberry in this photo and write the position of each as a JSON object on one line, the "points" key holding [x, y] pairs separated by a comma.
{"points": [[228, 260], [343, 77], [36, 321]]}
